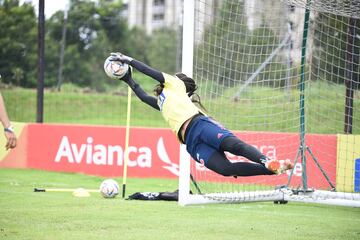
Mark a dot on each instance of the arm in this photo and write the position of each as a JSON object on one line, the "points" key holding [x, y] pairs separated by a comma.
{"points": [[140, 93], [8, 130], [151, 72], [140, 66]]}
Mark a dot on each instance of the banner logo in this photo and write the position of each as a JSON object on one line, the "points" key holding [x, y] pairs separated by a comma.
{"points": [[164, 157], [98, 154]]}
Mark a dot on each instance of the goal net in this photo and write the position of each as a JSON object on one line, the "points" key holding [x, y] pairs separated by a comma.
{"points": [[284, 76]]}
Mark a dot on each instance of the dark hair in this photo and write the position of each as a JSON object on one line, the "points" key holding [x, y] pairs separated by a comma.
{"points": [[190, 85], [158, 89]]}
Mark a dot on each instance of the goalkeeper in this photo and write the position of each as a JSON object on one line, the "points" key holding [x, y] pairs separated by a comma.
{"points": [[206, 140]]}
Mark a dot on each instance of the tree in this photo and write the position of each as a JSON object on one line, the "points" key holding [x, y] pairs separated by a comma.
{"points": [[162, 50], [231, 52], [331, 33], [93, 31], [18, 48]]}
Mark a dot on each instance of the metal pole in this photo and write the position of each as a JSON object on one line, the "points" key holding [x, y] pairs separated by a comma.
{"points": [[62, 50], [302, 95], [41, 63], [350, 82], [187, 68], [288, 62]]}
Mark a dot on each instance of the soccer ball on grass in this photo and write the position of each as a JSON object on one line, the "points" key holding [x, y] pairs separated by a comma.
{"points": [[115, 69], [109, 188]]}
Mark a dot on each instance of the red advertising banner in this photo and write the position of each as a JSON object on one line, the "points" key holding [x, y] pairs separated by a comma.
{"points": [[155, 152], [282, 146], [100, 150]]}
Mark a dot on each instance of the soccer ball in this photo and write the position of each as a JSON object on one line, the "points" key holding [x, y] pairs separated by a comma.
{"points": [[115, 69], [109, 188]]}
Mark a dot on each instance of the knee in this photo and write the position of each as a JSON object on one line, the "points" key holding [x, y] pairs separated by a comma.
{"points": [[225, 170], [240, 147]]}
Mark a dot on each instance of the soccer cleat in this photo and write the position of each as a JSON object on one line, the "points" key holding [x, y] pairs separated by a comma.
{"points": [[279, 167], [287, 165], [273, 166]]}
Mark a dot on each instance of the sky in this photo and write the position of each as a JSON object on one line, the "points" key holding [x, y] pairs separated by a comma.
{"points": [[51, 6]]}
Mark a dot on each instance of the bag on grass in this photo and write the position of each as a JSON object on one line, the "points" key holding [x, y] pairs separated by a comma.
{"points": [[167, 196]]}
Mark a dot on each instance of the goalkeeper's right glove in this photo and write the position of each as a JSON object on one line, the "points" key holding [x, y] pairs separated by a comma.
{"points": [[128, 76], [120, 57], [129, 81]]}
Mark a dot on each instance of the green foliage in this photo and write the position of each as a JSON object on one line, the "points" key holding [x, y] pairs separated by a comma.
{"points": [[332, 50], [325, 105], [113, 25], [94, 29], [164, 57], [18, 46], [235, 51], [137, 45]]}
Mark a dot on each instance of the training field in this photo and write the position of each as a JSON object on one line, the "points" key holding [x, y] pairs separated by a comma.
{"points": [[54, 215], [284, 76]]}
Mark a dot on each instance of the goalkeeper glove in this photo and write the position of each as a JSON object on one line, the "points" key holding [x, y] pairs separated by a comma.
{"points": [[120, 57], [126, 78]]}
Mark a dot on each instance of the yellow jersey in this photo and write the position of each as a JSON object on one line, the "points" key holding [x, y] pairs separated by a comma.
{"points": [[174, 103]]}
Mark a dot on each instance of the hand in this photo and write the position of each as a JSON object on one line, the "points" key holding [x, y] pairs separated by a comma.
{"points": [[11, 140], [120, 57], [127, 76]]}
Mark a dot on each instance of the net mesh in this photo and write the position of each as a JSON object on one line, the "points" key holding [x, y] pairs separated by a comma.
{"points": [[247, 63], [346, 8]]}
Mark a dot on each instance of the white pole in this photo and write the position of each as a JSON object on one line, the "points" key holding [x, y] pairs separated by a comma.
{"points": [[187, 68], [188, 37]]}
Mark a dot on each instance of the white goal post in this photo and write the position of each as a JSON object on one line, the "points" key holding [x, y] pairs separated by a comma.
{"points": [[274, 78]]}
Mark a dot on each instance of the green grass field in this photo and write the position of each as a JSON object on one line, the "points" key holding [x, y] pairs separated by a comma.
{"points": [[53, 215], [28, 215]]}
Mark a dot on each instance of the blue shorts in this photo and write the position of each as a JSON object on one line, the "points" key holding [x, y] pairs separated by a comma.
{"points": [[204, 137]]}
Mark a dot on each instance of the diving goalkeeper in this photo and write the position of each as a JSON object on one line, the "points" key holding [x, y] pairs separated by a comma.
{"points": [[206, 140]]}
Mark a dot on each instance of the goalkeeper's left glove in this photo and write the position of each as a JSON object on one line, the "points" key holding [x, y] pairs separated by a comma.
{"points": [[120, 57]]}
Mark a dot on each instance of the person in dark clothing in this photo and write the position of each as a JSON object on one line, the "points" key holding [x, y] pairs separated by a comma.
{"points": [[206, 140]]}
